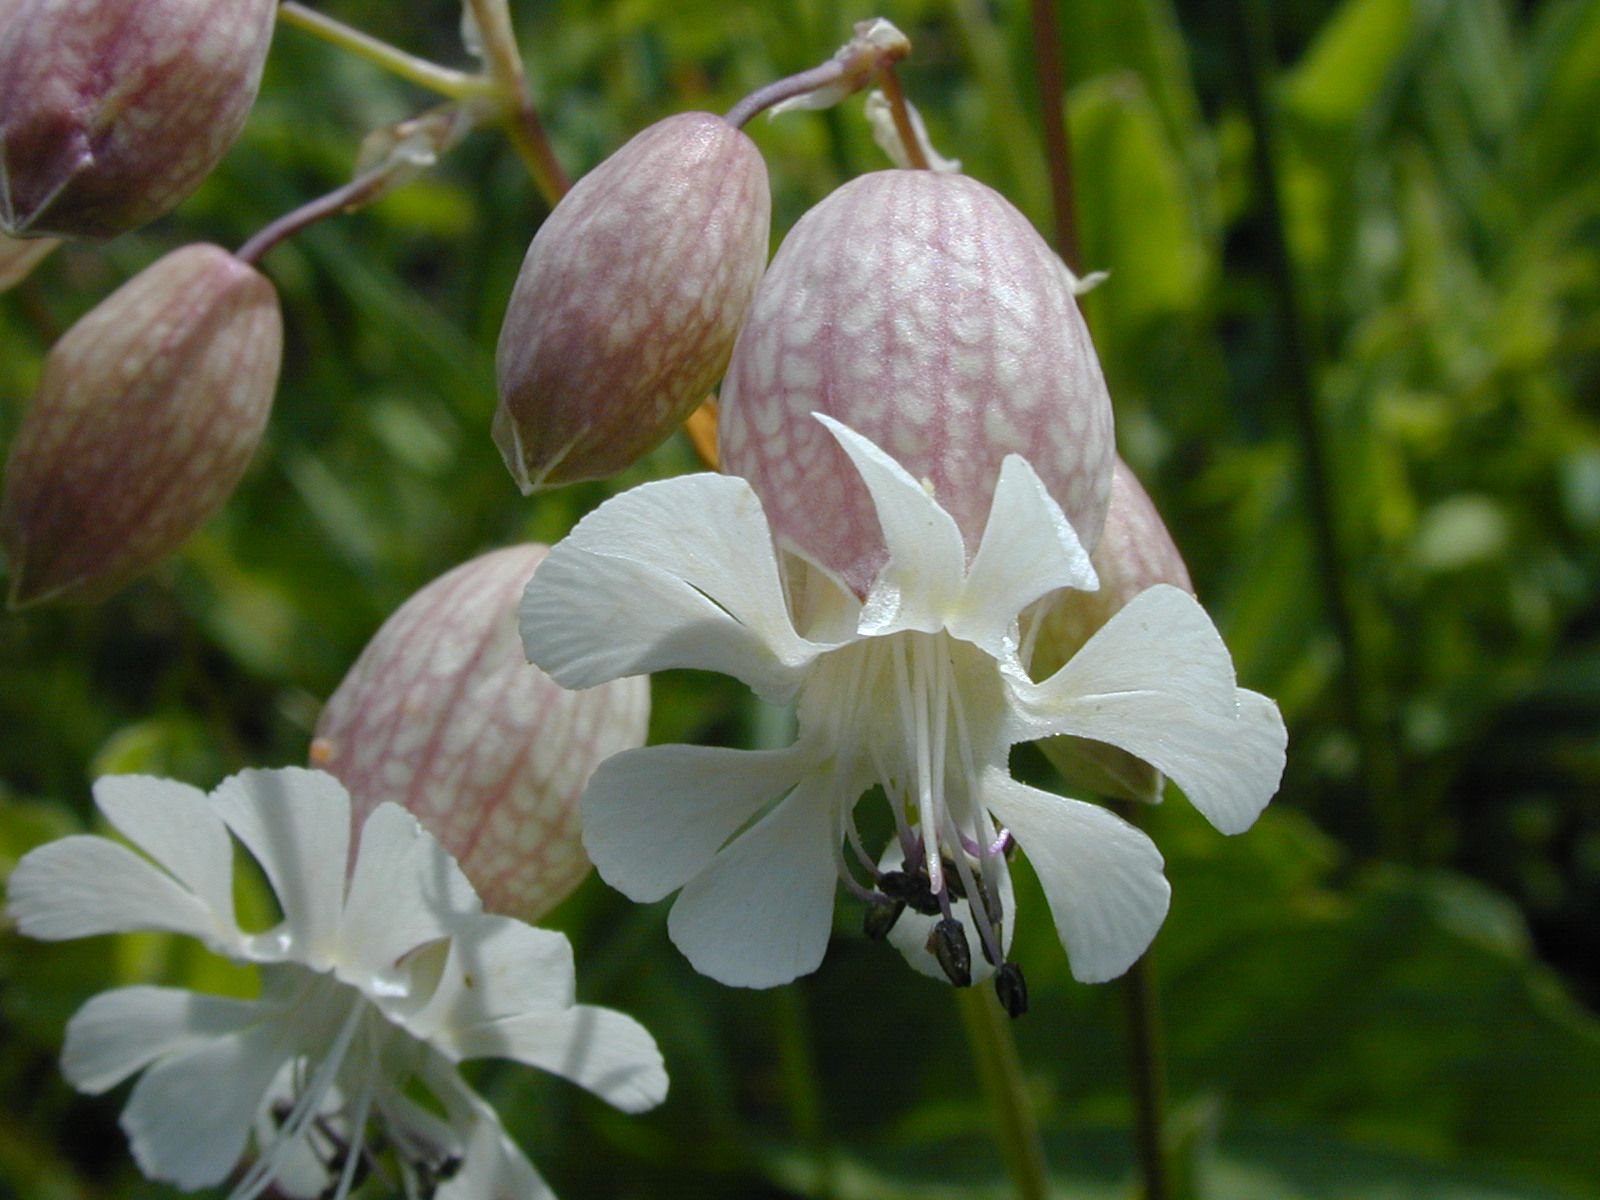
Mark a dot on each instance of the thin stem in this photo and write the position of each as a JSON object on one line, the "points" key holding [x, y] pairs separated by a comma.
{"points": [[797, 1066], [1058, 146], [1362, 699], [892, 92], [458, 85], [1146, 1061], [352, 195], [521, 119], [994, 1052], [780, 90]]}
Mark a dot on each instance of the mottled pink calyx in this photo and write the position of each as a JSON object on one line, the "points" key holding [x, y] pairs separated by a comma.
{"points": [[113, 111], [923, 311], [1135, 552], [443, 714], [628, 301], [147, 413]]}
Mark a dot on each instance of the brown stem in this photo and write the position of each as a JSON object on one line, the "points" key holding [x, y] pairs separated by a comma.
{"points": [[890, 83], [1058, 145], [353, 195]]}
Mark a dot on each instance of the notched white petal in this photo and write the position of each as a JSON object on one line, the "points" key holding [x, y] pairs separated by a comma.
{"points": [[919, 584], [1028, 550], [190, 1114], [120, 1032], [498, 967], [1102, 877], [1157, 682], [701, 794], [296, 823], [760, 914], [81, 886], [173, 823], [608, 1053], [405, 891], [680, 573]]}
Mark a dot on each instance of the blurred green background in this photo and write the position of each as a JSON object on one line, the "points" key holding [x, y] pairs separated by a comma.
{"points": [[1362, 234]]}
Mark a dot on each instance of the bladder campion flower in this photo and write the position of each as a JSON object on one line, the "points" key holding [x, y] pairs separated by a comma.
{"points": [[113, 111], [627, 303], [384, 973], [916, 687], [146, 416]]}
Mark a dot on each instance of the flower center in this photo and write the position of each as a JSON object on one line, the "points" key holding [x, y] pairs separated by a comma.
{"points": [[921, 713], [349, 1061]]}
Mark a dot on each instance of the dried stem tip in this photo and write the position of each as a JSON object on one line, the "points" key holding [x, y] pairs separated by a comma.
{"points": [[147, 413], [628, 302], [113, 111]]}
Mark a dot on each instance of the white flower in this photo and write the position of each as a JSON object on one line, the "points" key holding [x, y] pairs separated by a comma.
{"points": [[383, 974], [917, 688]]}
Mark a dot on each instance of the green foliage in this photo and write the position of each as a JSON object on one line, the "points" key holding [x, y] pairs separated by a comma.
{"points": [[1379, 992]]}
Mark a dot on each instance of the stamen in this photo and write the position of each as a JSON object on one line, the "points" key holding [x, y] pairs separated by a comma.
{"points": [[948, 944], [356, 1151], [265, 1169], [1012, 989], [926, 809]]}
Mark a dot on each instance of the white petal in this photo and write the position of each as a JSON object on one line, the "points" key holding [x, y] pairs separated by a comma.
{"points": [[190, 1114], [80, 886], [405, 891], [492, 1168], [1161, 642], [760, 914], [919, 584], [297, 825], [1101, 876], [123, 1031], [498, 967], [1029, 549], [173, 823], [679, 573], [1228, 758], [653, 818], [608, 1053]]}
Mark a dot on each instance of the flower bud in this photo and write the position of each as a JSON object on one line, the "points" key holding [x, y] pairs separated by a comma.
{"points": [[1134, 553], [627, 304], [147, 413], [923, 311], [113, 111], [444, 715], [19, 256]]}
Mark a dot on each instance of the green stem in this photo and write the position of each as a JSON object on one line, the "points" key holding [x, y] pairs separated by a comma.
{"points": [[797, 1066], [457, 85], [994, 1052], [1360, 678], [1145, 1058], [521, 119]]}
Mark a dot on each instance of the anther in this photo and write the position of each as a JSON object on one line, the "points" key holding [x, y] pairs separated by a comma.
{"points": [[948, 944], [1012, 989], [882, 913]]}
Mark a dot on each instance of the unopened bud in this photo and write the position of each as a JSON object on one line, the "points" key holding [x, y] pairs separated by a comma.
{"points": [[147, 413], [18, 256], [923, 311], [1134, 553], [443, 714], [628, 302], [113, 111]]}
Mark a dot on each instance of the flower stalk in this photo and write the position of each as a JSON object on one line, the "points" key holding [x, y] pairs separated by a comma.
{"points": [[994, 1053], [446, 81]]}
